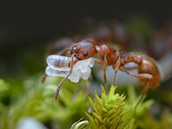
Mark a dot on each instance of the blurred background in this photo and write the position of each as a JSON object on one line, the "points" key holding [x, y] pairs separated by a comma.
{"points": [[31, 29], [27, 27]]}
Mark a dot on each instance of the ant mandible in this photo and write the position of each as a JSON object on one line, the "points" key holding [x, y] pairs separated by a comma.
{"points": [[148, 71]]}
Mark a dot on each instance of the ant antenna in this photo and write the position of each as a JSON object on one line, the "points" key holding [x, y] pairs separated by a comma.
{"points": [[61, 83]]}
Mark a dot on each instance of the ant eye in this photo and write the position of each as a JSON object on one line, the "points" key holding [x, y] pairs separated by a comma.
{"points": [[85, 53]]}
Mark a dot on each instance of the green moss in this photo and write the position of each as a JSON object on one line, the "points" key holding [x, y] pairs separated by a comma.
{"points": [[110, 111], [38, 102]]}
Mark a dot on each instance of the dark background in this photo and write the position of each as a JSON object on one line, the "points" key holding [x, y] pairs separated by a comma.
{"points": [[26, 27]]}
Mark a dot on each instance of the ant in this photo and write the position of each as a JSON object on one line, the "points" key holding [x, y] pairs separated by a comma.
{"points": [[148, 71]]}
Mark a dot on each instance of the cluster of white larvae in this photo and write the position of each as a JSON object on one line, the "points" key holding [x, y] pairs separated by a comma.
{"points": [[59, 66]]}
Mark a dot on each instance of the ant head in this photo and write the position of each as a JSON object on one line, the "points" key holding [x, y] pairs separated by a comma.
{"points": [[83, 49]]}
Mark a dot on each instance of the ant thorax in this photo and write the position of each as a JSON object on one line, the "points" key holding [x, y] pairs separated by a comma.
{"points": [[59, 66]]}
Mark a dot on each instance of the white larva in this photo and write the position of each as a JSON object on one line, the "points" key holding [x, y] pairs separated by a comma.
{"points": [[58, 62], [59, 66]]}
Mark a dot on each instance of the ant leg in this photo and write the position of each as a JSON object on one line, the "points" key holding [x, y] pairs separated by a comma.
{"points": [[104, 71], [116, 68], [97, 61], [88, 83], [43, 78], [131, 68], [87, 86], [61, 83], [144, 91], [141, 77]]}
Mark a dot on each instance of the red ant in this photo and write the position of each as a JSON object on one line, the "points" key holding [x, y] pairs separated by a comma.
{"points": [[148, 71]]}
